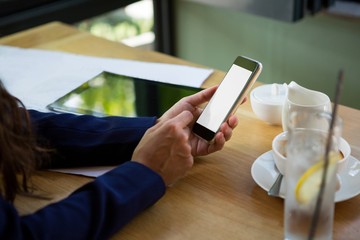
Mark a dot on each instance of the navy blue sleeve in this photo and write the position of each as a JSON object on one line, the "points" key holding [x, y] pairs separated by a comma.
{"points": [[95, 211], [87, 140]]}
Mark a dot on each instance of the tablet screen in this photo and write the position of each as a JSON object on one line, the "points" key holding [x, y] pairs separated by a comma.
{"points": [[110, 94]]}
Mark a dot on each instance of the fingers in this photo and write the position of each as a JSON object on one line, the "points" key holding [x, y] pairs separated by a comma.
{"points": [[233, 121], [189, 103], [183, 119], [201, 97], [225, 134], [228, 126], [218, 144]]}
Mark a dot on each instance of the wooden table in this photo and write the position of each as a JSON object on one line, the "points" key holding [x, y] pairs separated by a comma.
{"points": [[218, 199]]}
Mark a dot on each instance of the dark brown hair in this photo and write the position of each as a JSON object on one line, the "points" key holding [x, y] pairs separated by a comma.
{"points": [[19, 152]]}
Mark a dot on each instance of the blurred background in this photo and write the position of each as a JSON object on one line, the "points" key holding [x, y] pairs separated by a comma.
{"points": [[306, 41], [132, 25]]}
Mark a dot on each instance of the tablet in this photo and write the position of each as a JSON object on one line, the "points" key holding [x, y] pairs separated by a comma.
{"points": [[109, 94]]}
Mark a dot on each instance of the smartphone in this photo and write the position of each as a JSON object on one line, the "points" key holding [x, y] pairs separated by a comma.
{"points": [[230, 93]]}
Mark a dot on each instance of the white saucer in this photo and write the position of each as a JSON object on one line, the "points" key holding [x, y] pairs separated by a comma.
{"points": [[264, 174]]}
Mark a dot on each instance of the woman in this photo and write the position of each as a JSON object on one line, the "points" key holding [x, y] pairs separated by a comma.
{"points": [[152, 153]]}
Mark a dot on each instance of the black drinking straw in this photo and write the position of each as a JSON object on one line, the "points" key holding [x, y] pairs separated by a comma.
{"points": [[315, 218]]}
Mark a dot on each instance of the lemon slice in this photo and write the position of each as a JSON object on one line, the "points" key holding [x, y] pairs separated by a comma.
{"points": [[309, 183]]}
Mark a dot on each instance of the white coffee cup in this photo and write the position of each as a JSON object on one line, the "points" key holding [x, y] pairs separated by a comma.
{"points": [[279, 152]]}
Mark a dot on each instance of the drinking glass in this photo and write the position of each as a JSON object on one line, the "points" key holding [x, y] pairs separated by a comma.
{"points": [[306, 147]]}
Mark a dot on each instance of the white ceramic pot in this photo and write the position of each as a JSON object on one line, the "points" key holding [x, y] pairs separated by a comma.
{"points": [[300, 99]]}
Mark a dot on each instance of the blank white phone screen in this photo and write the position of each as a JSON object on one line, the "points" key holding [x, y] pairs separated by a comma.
{"points": [[225, 96]]}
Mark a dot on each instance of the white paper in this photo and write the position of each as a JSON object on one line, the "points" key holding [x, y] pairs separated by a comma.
{"points": [[85, 171], [39, 77]]}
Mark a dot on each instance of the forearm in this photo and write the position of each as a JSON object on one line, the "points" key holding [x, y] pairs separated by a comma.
{"points": [[88, 140], [95, 211]]}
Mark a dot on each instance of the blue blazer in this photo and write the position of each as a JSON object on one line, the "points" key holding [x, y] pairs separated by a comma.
{"points": [[100, 208]]}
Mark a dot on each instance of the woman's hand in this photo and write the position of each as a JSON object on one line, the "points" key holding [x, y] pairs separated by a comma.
{"points": [[199, 146], [168, 147], [165, 148]]}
